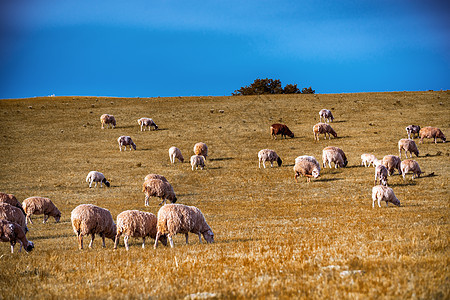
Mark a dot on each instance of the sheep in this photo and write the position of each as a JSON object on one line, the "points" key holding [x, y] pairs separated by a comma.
{"points": [[326, 115], [411, 130], [268, 155], [409, 165], [392, 162], [12, 232], [91, 219], [323, 128], [431, 133], [383, 193], [147, 122], [94, 176], [108, 120], [11, 199], [13, 214], [39, 206], [158, 188], [334, 154], [407, 145], [382, 173], [137, 223], [155, 176], [179, 218], [125, 141], [280, 129], [308, 158], [367, 159], [304, 167], [174, 152], [201, 149], [197, 161]]}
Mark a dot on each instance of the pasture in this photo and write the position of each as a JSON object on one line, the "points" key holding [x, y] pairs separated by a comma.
{"points": [[274, 238]]}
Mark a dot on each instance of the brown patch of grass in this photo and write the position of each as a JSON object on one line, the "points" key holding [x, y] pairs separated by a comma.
{"points": [[274, 238]]}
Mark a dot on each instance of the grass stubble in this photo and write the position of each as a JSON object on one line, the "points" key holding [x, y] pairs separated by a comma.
{"points": [[274, 238]]}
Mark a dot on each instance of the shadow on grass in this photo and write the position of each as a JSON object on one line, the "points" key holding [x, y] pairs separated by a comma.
{"points": [[221, 158], [213, 168], [405, 183], [340, 121], [56, 236], [328, 179]]}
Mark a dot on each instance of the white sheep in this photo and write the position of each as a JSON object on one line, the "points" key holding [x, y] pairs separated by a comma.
{"points": [[367, 159], [407, 145], [40, 206], [323, 128], [158, 188], [91, 219], [392, 162], [174, 152], [147, 122], [381, 173], [383, 193], [11, 199], [326, 115], [308, 158], [155, 176], [201, 149], [125, 141], [307, 168], [179, 218], [12, 232], [409, 165], [94, 176], [197, 161], [268, 155], [335, 155], [411, 130], [108, 120], [137, 223], [13, 214]]}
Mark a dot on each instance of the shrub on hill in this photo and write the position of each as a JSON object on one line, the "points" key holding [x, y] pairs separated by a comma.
{"points": [[270, 86]]}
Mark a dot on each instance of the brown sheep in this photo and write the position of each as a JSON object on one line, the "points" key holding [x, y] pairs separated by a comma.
{"points": [[108, 120], [431, 133], [407, 145], [409, 165], [323, 128], [13, 214], [392, 162], [158, 188], [201, 149], [39, 206], [280, 129], [12, 232], [11, 199]]}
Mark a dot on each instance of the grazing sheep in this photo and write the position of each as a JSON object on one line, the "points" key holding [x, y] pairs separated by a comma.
{"points": [[411, 130], [407, 145], [137, 223], [158, 188], [125, 141], [94, 176], [39, 206], [268, 155], [201, 149], [304, 167], [382, 173], [323, 128], [409, 165], [334, 154], [392, 162], [179, 218], [326, 115], [197, 161], [147, 122], [383, 193], [108, 120], [367, 159], [13, 214], [282, 129], [431, 133], [174, 152], [11, 199], [155, 176], [90, 219], [308, 158], [12, 232]]}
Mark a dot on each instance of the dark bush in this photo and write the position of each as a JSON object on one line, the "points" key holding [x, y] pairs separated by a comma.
{"points": [[270, 86]]}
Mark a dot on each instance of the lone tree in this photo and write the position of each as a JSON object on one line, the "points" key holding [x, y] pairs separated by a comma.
{"points": [[270, 86]]}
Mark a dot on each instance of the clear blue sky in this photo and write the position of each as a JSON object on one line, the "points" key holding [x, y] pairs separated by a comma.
{"points": [[181, 48]]}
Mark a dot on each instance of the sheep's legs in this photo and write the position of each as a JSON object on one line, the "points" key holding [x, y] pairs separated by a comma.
{"points": [[146, 200], [143, 242], [103, 239], [125, 240], [80, 241], [28, 218], [116, 242], [187, 237], [199, 237], [164, 201], [170, 241], [46, 218], [92, 240]]}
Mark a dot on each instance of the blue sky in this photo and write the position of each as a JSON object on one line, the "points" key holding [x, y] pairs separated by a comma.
{"points": [[183, 48]]}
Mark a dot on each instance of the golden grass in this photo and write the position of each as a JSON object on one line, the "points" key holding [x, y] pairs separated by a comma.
{"points": [[274, 238]]}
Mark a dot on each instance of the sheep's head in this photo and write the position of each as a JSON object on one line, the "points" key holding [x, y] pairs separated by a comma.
{"points": [[279, 161], [208, 236], [156, 127], [174, 199], [345, 163], [29, 247], [395, 201], [134, 146], [291, 135], [58, 217], [334, 133], [315, 173], [163, 239], [106, 182]]}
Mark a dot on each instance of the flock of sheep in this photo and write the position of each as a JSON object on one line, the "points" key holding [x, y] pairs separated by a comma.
{"points": [[88, 219]]}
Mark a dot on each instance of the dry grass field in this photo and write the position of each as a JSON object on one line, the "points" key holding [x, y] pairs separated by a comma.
{"points": [[274, 238]]}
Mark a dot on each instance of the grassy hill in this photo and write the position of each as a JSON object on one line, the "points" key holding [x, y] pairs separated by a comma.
{"points": [[274, 237]]}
